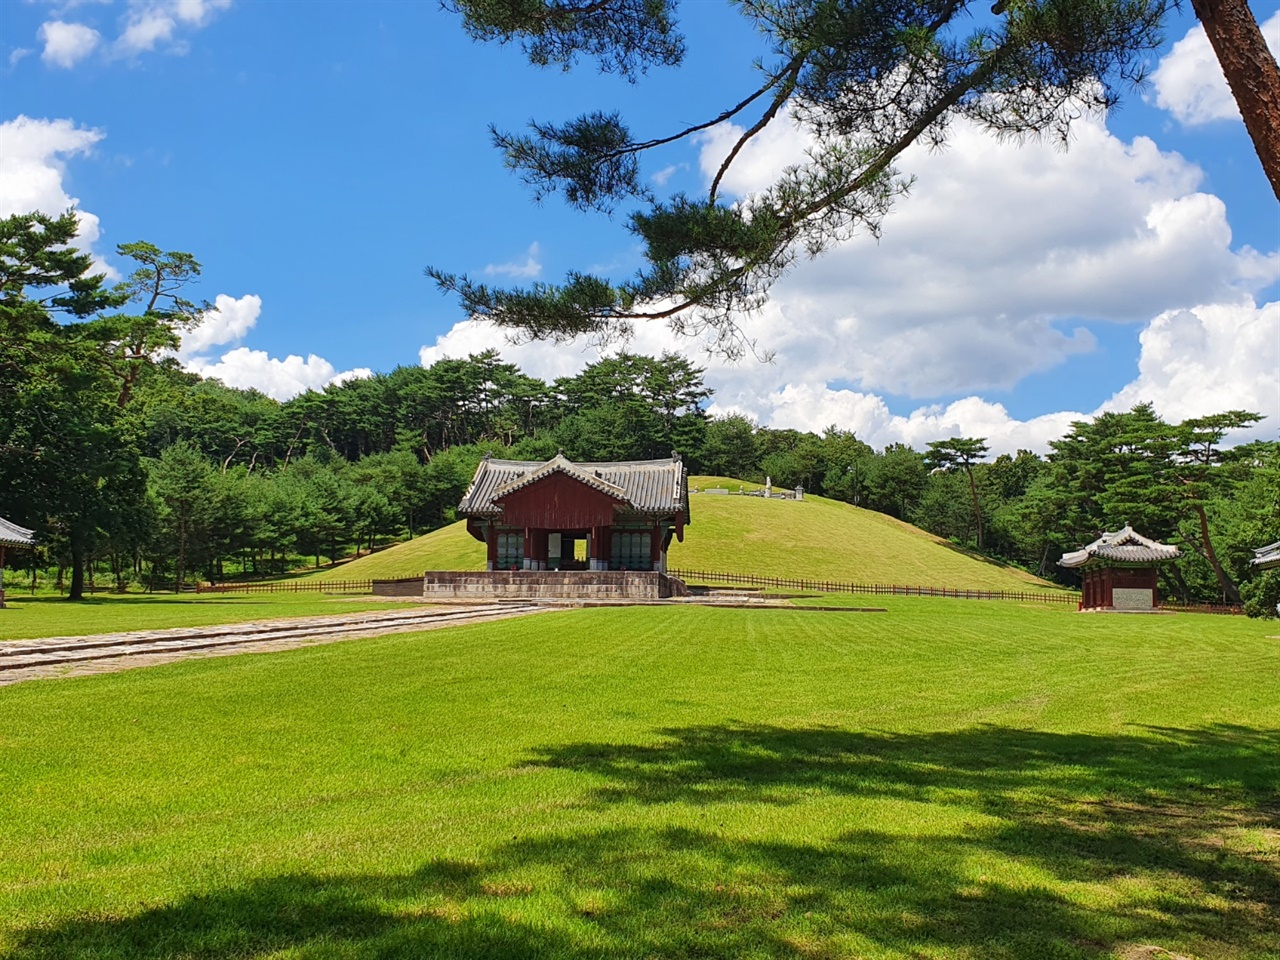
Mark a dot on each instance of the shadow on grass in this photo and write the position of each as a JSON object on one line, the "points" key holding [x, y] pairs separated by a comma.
{"points": [[994, 843]]}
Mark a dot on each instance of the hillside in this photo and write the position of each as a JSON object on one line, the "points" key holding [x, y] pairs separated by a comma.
{"points": [[816, 538], [449, 548]]}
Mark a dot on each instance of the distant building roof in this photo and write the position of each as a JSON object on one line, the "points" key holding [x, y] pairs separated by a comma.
{"points": [[1122, 546], [12, 535], [651, 487], [1268, 556]]}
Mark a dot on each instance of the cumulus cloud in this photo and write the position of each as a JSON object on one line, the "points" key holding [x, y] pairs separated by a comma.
{"points": [[995, 264], [527, 269], [66, 44], [33, 157], [993, 269], [1207, 359], [228, 321], [1192, 363], [1188, 81], [146, 25], [281, 379]]}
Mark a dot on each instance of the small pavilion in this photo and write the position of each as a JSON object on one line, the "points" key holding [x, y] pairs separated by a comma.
{"points": [[12, 535], [1268, 557], [1118, 570], [561, 515]]}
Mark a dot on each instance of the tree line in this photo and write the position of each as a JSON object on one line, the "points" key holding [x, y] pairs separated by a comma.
{"points": [[136, 472]]}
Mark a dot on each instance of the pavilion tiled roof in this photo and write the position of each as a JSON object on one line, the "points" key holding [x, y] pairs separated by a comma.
{"points": [[12, 535], [650, 487], [1122, 546], [560, 464], [1267, 557]]}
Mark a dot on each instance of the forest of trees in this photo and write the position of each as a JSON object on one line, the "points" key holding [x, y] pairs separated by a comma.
{"points": [[135, 472]]}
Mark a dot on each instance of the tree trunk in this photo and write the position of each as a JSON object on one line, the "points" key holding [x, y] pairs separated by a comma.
{"points": [[1174, 576], [1229, 588], [1251, 72], [77, 567], [977, 510], [182, 556]]}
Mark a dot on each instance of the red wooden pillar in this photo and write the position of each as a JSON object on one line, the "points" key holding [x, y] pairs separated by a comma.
{"points": [[601, 547], [1, 576], [655, 547], [528, 549], [491, 546]]}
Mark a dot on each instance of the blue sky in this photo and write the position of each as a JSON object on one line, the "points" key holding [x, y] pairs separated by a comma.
{"points": [[315, 157]]}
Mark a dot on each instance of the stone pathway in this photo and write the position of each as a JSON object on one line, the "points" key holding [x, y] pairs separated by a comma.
{"points": [[48, 657]]}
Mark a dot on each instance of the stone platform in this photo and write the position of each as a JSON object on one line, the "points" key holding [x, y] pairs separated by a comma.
{"points": [[440, 585]]}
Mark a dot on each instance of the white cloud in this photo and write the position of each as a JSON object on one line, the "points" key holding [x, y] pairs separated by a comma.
{"points": [[991, 270], [528, 269], [18, 54], [993, 265], [1193, 363], [145, 26], [144, 31], [1189, 83], [1208, 359], [281, 379], [814, 407], [666, 173], [32, 169], [226, 322], [66, 44]]}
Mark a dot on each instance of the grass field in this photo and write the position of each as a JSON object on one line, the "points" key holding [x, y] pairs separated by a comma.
{"points": [[948, 779], [816, 538], [26, 617]]}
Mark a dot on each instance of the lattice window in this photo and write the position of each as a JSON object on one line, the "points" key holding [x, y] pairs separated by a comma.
{"points": [[510, 550], [632, 551]]}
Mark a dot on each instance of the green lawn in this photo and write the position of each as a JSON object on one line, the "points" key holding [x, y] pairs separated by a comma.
{"points": [[816, 538], [26, 617], [956, 779]]}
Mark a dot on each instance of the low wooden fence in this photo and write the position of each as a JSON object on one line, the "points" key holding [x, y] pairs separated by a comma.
{"points": [[745, 579], [286, 586], [876, 589], [1228, 609]]}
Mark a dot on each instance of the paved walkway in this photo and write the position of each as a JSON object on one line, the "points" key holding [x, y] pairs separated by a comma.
{"points": [[49, 657]]}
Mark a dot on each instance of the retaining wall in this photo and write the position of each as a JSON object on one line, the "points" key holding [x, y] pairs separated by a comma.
{"points": [[408, 587], [535, 585]]}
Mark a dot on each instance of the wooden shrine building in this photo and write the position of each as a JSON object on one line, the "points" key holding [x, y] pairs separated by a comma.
{"points": [[561, 515], [12, 535], [1118, 571]]}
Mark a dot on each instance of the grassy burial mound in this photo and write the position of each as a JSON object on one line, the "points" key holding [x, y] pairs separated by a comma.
{"points": [[946, 781], [823, 539], [815, 538]]}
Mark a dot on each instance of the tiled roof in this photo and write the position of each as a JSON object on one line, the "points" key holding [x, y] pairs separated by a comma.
{"points": [[559, 464], [12, 535], [1122, 546], [1268, 556], [651, 487]]}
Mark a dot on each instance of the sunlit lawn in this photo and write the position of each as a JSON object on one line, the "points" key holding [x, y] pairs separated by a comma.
{"points": [[47, 616], [948, 779]]}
